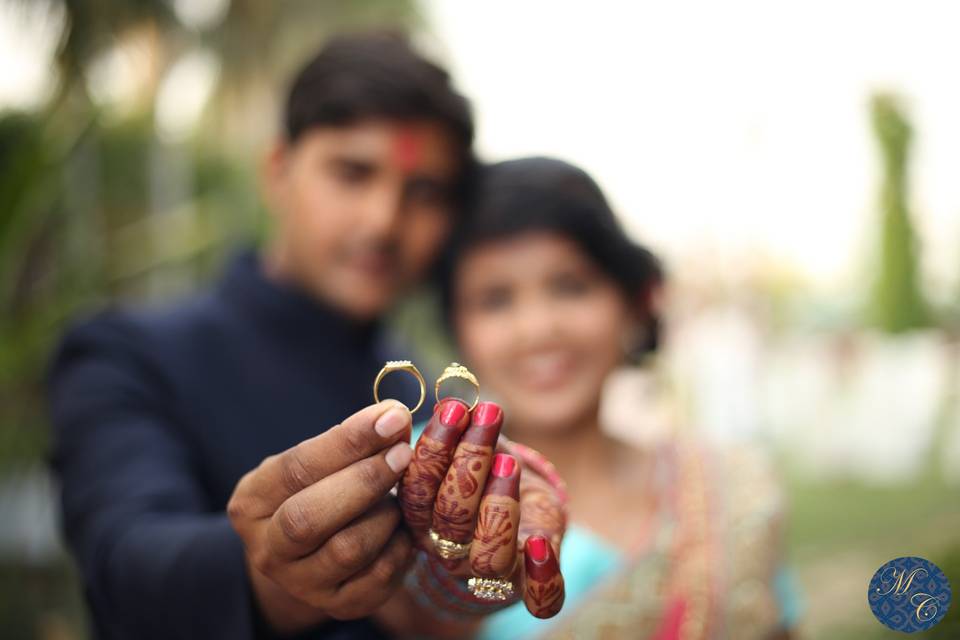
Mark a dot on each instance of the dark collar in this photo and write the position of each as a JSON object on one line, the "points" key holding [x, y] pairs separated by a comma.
{"points": [[288, 311]]}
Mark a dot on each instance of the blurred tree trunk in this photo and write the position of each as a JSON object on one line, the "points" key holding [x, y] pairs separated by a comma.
{"points": [[897, 303]]}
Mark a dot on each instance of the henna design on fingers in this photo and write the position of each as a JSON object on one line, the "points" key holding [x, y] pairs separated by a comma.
{"points": [[459, 496], [496, 537], [419, 484], [455, 514], [545, 599], [421, 481], [494, 549], [466, 467], [541, 512], [543, 588]]}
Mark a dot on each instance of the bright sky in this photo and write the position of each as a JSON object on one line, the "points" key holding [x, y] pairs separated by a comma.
{"points": [[735, 125], [28, 34]]}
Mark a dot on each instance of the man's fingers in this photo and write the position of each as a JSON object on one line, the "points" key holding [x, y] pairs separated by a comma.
{"points": [[455, 511], [370, 588], [344, 554], [543, 590], [361, 435], [308, 518], [493, 553], [432, 457]]}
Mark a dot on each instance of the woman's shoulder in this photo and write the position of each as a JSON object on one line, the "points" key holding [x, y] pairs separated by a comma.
{"points": [[744, 475], [731, 506], [735, 492]]}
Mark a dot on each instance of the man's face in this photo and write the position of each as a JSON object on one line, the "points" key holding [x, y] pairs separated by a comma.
{"points": [[361, 210]]}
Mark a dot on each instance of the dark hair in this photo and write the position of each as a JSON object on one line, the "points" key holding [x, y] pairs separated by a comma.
{"points": [[374, 74], [543, 194]]}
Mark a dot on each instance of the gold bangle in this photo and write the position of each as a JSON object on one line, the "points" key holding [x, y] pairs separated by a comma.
{"points": [[457, 370], [401, 365]]}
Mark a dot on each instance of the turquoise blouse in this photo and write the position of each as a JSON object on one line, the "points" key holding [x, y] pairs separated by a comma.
{"points": [[587, 561]]}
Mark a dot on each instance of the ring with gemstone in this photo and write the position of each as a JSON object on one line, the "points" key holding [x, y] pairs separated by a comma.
{"points": [[401, 365], [457, 370], [494, 589]]}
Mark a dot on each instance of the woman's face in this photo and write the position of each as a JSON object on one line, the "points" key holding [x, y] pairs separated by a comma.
{"points": [[541, 326]]}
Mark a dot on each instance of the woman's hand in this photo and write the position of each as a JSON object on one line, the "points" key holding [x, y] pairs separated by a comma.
{"points": [[481, 514]]}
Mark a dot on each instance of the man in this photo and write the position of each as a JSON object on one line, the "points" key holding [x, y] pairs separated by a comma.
{"points": [[158, 415]]}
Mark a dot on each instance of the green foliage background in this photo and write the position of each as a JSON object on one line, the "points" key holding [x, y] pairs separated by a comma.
{"points": [[85, 219], [87, 216]]}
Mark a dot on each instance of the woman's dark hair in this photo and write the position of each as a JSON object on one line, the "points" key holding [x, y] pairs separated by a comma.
{"points": [[374, 74], [542, 194]]}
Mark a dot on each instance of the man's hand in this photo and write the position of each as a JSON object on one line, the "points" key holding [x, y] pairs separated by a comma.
{"points": [[322, 534]]}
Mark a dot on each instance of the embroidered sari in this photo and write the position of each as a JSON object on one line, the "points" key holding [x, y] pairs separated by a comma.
{"points": [[712, 569]]}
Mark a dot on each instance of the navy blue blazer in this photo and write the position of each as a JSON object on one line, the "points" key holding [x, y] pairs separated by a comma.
{"points": [[157, 414]]}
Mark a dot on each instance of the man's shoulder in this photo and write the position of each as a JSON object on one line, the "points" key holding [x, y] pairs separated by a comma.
{"points": [[124, 357], [153, 331]]}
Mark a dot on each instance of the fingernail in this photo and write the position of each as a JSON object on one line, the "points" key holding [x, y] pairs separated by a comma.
{"points": [[542, 572], [503, 465], [537, 548], [399, 457], [485, 427], [504, 477], [453, 411], [392, 422], [541, 562], [486, 414]]}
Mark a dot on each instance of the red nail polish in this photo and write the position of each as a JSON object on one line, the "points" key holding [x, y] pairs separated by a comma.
{"points": [[452, 412], [537, 548], [503, 465], [486, 414], [542, 572]]}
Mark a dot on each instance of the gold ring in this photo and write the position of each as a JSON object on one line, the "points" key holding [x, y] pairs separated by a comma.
{"points": [[496, 589], [457, 370], [401, 365], [448, 549]]}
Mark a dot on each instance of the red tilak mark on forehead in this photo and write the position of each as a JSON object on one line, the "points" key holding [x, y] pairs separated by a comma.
{"points": [[407, 147]]}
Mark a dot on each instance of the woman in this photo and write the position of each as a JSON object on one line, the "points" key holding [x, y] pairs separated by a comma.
{"points": [[546, 296]]}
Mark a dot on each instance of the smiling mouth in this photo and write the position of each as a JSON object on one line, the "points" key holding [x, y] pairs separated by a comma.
{"points": [[544, 372]]}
